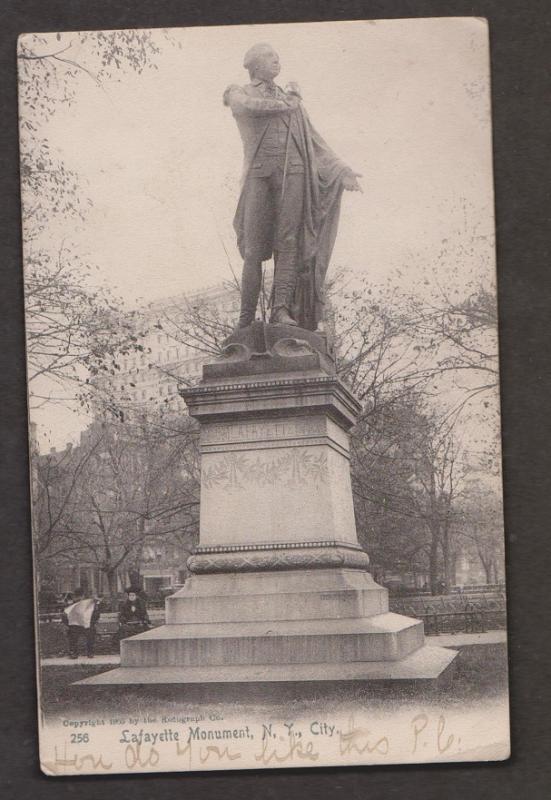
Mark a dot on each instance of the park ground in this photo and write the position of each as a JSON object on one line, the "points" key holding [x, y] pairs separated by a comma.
{"points": [[479, 674]]}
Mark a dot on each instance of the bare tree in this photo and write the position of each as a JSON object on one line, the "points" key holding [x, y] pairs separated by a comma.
{"points": [[460, 338], [75, 330], [480, 528], [382, 479], [438, 475], [407, 480], [56, 480], [199, 323], [125, 484]]}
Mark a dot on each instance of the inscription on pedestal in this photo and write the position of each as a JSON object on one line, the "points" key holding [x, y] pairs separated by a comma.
{"points": [[272, 434], [264, 431]]}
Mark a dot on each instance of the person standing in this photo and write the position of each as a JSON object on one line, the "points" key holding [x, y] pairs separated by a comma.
{"points": [[81, 617]]}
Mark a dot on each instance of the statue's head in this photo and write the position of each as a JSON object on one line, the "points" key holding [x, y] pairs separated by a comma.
{"points": [[262, 62]]}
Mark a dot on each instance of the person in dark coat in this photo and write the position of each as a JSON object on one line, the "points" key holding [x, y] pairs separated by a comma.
{"points": [[81, 617], [133, 616]]}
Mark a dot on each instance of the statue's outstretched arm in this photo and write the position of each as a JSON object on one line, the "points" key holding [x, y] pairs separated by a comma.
{"points": [[243, 104]]}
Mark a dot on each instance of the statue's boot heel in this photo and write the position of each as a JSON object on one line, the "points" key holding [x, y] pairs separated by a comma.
{"points": [[281, 316]]}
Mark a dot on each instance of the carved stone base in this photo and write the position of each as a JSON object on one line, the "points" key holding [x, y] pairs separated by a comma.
{"points": [[267, 348], [255, 558], [261, 337], [269, 596]]}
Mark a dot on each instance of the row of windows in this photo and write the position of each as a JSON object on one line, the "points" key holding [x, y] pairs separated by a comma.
{"points": [[168, 404], [143, 390], [148, 393], [172, 355]]}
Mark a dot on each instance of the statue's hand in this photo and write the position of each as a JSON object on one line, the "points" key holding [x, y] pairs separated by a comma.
{"points": [[350, 181], [292, 100], [233, 87], [293, 88]]}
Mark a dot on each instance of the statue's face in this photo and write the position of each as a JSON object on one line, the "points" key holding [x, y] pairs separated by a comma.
{"points": [[267, 66]]}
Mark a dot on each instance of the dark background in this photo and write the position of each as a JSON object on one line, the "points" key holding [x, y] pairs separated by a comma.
{"points": [[520, 32]]}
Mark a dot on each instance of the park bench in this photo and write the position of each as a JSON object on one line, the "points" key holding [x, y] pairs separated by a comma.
{"points": [[107, 635]]}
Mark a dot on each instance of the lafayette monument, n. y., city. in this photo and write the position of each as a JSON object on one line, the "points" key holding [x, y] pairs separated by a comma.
{"points": [[280, 590]]}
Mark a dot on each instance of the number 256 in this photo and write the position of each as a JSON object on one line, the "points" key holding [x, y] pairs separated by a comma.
{"points": [[79, 738]]}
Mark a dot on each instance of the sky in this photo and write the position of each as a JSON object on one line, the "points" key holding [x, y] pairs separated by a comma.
{"points": [[403, 102]]}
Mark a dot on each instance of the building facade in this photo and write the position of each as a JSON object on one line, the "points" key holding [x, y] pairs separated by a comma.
{"points": [[179, 334]]}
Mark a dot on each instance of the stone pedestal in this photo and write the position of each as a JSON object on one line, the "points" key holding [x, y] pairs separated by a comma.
{"points": [[280, 588]]}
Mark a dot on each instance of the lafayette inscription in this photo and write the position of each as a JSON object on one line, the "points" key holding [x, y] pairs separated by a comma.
{"points": [[265, 431]]}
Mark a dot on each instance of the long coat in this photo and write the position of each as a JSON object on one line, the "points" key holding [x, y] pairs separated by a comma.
{"points": [[322, 199]]}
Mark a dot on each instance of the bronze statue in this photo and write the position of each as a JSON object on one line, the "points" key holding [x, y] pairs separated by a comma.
{"points": [[290, 199]]}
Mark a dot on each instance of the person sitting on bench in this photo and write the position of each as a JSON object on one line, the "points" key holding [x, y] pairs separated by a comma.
{"points": [[133, 616]]}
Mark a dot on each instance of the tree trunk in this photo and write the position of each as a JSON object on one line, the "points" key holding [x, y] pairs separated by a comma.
{"points": [[487, 564], [134, 577], [111, 575], [447, 559], [434, 576]]}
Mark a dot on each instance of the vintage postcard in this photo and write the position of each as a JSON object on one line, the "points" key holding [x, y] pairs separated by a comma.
{"points": [[260, 296]]}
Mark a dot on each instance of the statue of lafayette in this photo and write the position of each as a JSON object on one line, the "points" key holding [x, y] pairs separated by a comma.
{"points": [[290, 198]]}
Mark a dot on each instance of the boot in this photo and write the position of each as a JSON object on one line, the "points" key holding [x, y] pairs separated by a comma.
{"points": [[250, 290], [281, 316], [246, 318], [284, 289]]}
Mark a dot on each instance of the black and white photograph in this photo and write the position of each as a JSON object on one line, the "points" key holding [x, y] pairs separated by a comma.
{"points": [[263, 387]]}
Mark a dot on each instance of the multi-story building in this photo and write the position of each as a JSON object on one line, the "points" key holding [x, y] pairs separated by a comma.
{"points": [[175, 336]]}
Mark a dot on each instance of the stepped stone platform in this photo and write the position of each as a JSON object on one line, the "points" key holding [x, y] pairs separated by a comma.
{"points": [[425, 665], [385, 637], [280, 589]]}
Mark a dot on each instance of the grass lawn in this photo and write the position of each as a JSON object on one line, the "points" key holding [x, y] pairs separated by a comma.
{"points": [[480, 674]]}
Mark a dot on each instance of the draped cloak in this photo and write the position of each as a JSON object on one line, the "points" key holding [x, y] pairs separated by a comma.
{"points": [[81, 612], [323, 189]]}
